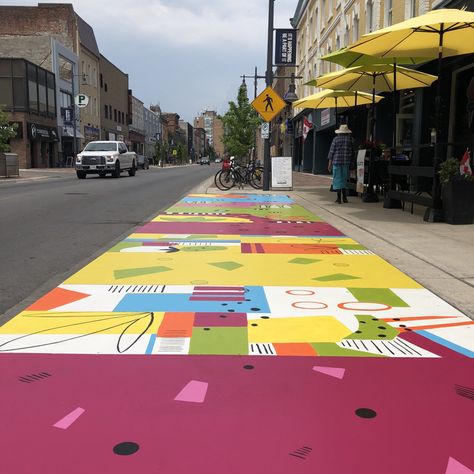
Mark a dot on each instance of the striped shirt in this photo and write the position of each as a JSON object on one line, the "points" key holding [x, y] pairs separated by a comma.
{"points": [[342, 149]]}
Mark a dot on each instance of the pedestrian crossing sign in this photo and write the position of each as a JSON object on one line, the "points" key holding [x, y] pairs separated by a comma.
{"points": [[268, 104]]}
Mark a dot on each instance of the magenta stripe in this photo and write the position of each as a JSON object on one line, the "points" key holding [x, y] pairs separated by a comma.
{"points": [[218, 293], [241, 288], [259, 248], [69, 419], [215, 298]]}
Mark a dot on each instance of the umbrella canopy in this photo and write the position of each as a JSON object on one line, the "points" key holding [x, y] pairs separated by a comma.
{"points": [[374, 77], [330, 99], [452, 29], [348, 58]]}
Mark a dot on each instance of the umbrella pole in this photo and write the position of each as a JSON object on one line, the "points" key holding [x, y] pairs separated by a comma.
{"points": [[435, 212], [395, 104], [336, 109], [369, 195]]}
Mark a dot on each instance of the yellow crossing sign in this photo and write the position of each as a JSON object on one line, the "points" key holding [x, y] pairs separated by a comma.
{"points": [[268, 104]]}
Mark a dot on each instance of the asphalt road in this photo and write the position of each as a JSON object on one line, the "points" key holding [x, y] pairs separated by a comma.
{"points": [[51, 227]]}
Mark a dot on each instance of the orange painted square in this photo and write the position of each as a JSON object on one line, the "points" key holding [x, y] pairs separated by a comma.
{"points": [[294, 349], [176, 325]]}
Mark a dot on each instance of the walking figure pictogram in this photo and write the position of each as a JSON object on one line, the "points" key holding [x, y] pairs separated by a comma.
{"points": [[269, 102]]}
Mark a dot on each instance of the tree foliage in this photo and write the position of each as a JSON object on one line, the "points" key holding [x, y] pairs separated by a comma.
{"points": [[7, 131], [240, 125]]}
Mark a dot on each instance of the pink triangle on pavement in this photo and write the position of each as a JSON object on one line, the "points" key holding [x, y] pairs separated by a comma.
{"points": [[332, 371], [455, 467], [194, 391]]}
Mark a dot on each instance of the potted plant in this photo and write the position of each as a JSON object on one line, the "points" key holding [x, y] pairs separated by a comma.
{"points": [[457, 193]]}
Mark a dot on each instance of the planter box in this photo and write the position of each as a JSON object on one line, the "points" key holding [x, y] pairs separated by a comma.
{"points": [[458, 202]]}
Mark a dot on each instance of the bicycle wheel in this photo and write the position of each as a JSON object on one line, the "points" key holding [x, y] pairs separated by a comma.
{"points": [[226, 180], [256, 178], [216, 179]]}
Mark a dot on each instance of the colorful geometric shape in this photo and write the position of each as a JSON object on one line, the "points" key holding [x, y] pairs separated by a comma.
{"points": [[220, 320], [337, 277], [336, 372], [69, 419], [229, 266], [55, 298], [134, 272], [304, 261], [194, 392], [294, 349], [378, 295], [219, 340], [455, 467]]}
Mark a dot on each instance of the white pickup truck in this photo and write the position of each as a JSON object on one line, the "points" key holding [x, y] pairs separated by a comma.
{"points": [[105, 157]]}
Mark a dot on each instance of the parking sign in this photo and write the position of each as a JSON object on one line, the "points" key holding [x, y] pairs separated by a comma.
{"points": [[81, 100]]}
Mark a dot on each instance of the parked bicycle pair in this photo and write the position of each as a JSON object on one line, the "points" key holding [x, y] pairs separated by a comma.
{"points": [[232, 174]]}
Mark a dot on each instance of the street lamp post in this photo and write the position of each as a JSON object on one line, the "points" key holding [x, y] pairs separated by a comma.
{"points": [[269, 82]]}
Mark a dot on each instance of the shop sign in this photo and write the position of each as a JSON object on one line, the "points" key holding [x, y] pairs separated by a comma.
{"points": [[282, 176], [91, 133], [325, 116], [285, 50], [41, 132]]}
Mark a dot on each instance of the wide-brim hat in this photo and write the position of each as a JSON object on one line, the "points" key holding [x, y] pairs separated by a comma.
{"points": [[343, 128]]}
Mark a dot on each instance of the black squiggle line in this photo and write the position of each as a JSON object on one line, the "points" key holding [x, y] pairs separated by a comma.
{"points": [[152, 318]]}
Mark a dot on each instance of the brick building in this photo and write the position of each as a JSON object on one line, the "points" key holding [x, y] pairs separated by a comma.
{"points": [[214, 127]]}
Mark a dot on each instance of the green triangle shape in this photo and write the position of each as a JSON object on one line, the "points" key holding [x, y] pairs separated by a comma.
{"points": [[227, 265], [337, 277], [304, 261], [132, 272]]}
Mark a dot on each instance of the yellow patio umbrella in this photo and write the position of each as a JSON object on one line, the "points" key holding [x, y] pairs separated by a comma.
{"points": [[441, 33], [335, 98]]}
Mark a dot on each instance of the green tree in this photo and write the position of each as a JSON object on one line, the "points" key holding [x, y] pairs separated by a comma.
{"points": [[7, 131], [240, 125], [181, 153]]}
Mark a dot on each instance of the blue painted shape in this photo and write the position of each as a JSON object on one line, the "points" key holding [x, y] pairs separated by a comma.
{"points": [[260, 198], [151, 344], [181, 303], [445, 343]]}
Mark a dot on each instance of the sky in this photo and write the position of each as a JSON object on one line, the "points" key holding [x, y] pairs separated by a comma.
{"points": [[185, 55]]}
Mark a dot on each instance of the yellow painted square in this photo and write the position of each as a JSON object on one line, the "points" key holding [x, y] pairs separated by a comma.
{"points": [[305, 329]]}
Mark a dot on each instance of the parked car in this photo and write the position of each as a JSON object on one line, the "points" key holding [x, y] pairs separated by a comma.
{"points": [[205, 161], [101, 157], [143, 162], [218, 160]]}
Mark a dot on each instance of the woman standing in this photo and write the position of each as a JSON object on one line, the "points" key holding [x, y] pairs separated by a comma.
{"points": [[340, 156]]}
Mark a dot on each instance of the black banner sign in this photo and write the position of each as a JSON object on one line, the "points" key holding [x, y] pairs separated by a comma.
{"points": [[285, 50]]}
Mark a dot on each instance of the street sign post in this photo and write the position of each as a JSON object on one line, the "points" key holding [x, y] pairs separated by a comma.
{"points": [[81, 100], [265, 130], [268, 104]]}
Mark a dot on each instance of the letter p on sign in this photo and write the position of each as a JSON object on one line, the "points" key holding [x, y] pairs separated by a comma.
{"points": [[81, 100]]}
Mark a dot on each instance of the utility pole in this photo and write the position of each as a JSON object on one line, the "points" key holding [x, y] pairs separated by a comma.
{"points": [[269, 82]]}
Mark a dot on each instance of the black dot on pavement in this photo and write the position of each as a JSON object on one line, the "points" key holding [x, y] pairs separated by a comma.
{"points": [[358, 332], [207, 329], [239, 302], [224, 304], [363, 322], [382, 335], [403, 325], [264, 317], [223, 316], [126, 448], [255, 309], [231, 310], [374, 319], [407, 329], [248, 367], [396, 319], [247, 300], [382, 327], [366, 413], [254, 324]]}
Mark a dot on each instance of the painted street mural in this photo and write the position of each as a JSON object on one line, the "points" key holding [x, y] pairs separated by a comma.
{"points": [[238, 333]]}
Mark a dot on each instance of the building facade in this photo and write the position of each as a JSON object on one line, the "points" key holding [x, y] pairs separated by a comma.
{"points": [[214, 127], [199, 142], [188, 134], [28, 94], [153, 131], [115, 112], [137, 125], [41, 34]]}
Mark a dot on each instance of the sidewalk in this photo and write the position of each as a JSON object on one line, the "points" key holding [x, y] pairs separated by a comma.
{"points": [[439, 256]]}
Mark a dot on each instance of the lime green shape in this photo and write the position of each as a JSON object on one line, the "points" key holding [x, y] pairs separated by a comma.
{"points": [[371, 327], [337, 277], [351, 247], [227, 265], [133, 272], [304, 261], [125, 245], [203, 248], [378, 295], [332, 349], [219, 341]]}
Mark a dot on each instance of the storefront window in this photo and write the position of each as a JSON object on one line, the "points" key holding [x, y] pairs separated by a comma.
{"points": [[6, 93], [43, 104], [32, 88], [51, 94]]}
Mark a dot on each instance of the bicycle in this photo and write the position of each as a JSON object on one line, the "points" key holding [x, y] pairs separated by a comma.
{"points": [[234, 174]]}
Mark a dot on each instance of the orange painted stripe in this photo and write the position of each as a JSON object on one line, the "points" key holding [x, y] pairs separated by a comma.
{"points": [[294, 349], [438, 326], [176, 325]]}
